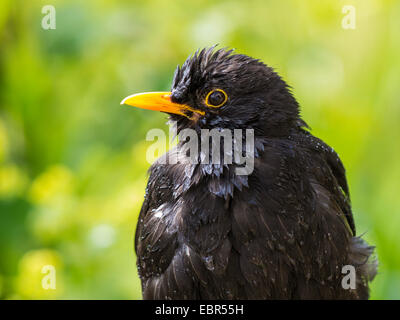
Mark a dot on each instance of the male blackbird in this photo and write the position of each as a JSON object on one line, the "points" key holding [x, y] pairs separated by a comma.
{"points": [[285, 231]]}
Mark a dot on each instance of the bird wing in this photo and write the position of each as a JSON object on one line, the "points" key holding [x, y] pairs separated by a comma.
{"points": [[155, 243], [290, 227], [334, 177], [339, 173], [163, 258]]}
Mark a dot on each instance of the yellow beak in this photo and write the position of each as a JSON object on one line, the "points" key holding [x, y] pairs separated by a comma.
{"points": [[158, 101]]}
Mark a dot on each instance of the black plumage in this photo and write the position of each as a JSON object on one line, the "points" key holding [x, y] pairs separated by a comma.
{"points": [[283, 232]]}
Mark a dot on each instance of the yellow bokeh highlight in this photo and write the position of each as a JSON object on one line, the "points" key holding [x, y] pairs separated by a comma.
{"points": [[32, 272], [55, 182], [3, 142], [12, 181]]}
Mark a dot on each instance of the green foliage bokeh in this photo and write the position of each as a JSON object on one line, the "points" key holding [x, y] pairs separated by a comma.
{"points": [[72, 160]]}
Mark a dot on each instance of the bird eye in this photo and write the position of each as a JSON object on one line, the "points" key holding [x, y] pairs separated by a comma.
{"points": [[216, 98]]}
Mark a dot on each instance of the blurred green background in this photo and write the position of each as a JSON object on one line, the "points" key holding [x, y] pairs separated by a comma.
{"points": [[72, 164]]}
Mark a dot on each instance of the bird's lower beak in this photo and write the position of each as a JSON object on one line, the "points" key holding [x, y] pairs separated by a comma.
{"points": [[158, 101]]}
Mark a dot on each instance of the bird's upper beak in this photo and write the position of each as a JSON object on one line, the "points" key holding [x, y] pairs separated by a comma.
{"points": [[159, 101]]}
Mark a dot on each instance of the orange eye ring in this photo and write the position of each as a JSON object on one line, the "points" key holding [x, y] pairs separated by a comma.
{"points": [[219, 105]]}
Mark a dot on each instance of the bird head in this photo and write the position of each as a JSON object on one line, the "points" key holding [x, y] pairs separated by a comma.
{"points": [[221, 89]]}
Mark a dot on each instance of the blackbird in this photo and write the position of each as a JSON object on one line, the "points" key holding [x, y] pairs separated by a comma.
{"points": [[283, 231]]}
